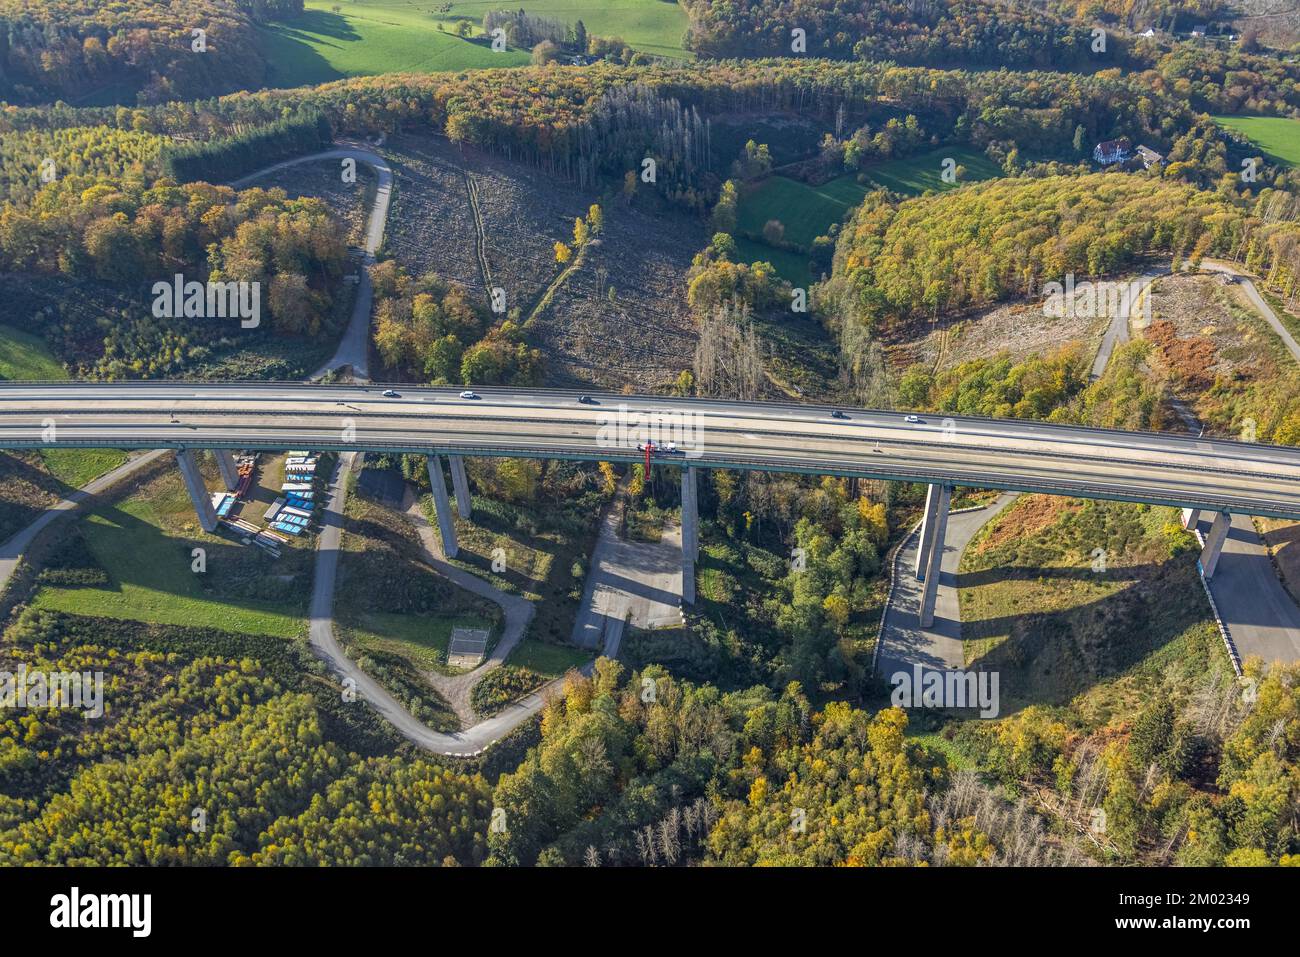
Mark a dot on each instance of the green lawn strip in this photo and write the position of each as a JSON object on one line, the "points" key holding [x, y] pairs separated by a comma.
{"points": [[1277, 136], [24, 356], [421, 638], [76, 467], [915, 174], [391, 664], [151, 577], [546, 659]]}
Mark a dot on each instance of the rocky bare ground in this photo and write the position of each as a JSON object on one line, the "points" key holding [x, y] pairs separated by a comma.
{"points": [[1022, 329]]}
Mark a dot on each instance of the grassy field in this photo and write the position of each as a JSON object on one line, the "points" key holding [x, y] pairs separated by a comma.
{"points": [[1277, 136], [151, 579], [809, 211], [547, 659], [655, 26], [806, 211], [1040, 606], [24, 356], [422, 639], [76, 467], [915, 174], [365, 39], [369, 37]]}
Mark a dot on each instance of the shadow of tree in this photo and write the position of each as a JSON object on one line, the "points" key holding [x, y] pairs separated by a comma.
{"points": [[17, 511]]}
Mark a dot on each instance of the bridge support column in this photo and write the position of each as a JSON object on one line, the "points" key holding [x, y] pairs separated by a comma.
{"points": [[1214, 543], [229, 470], [446, 525], [928, 518], [198, 490], [461, 486], [690, 535], [1191, 518], [934, 556], [693, 479]]}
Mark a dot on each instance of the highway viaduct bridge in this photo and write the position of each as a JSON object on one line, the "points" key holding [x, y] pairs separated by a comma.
{"points": [[1195, 474]]}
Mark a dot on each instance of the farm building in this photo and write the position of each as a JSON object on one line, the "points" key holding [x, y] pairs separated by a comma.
{"points": [[1149, 157], [1111, 152]]}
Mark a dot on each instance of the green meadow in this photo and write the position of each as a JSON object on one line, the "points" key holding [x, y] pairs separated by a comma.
{"points": [[25, 356], [808, 211], [150, 576], [343, 38], [915, 174], [1277, 136], [422, 639], [655, 26], [547, 659]]}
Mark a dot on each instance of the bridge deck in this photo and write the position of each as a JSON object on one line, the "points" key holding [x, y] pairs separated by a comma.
{"points": [[1156, 468]]}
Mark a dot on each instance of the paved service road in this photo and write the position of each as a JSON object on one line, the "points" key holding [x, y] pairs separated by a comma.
{"points": [[1157, 468], [517, 612], [903, 643], [353, 350], [1263, 308], [1261, 617], [1118, 330], [321, 614]]}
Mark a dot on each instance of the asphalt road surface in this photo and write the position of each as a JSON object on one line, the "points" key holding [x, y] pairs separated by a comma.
{"points": [[1158, 468], [1118, 330]]}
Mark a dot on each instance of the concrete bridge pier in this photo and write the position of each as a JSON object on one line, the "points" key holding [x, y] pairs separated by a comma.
{"points": [[229, 470], [1214, 544], [1191, 516], [198, 490], [690, 534], [446, 525], [932, 538], [695, 509], [461, 486], [928, 518]]}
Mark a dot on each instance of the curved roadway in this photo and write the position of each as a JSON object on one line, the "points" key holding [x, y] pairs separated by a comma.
{"points": [[1157, 468]]}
